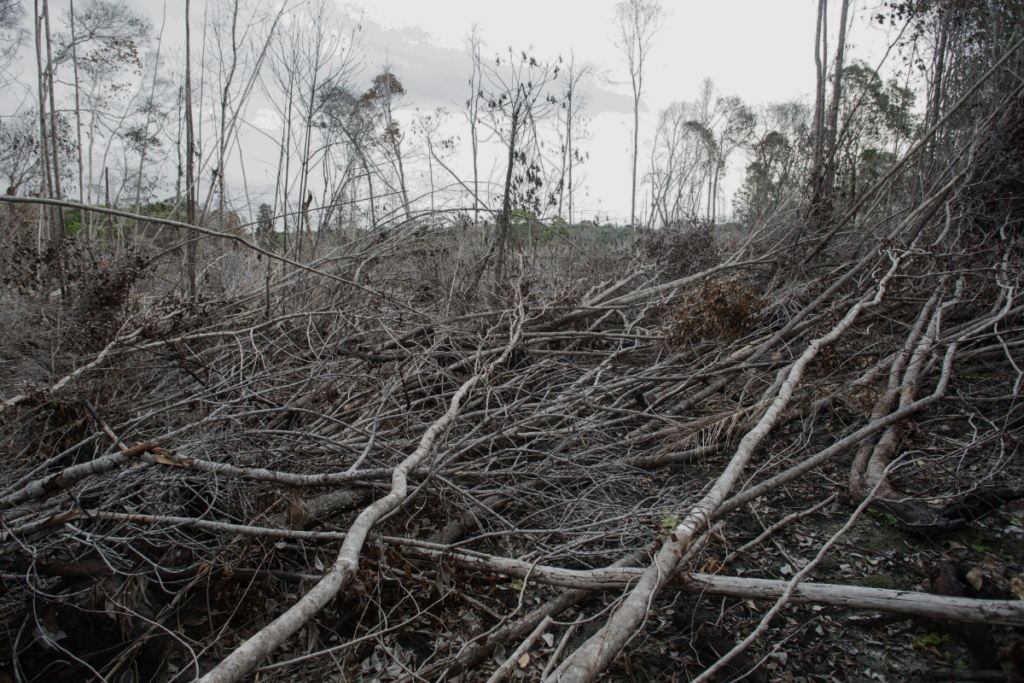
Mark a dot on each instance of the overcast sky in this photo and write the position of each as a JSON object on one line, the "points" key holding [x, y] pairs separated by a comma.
{"points": [[761, 50]]}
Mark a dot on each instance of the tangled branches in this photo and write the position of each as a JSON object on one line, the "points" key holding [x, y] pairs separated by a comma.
{"points": [[364, 468]]}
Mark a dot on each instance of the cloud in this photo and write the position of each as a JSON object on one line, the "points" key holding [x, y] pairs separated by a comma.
{"points": [[267, 119], [435, 73]]}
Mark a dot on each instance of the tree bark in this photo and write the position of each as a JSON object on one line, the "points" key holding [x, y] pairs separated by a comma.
{"points": [[819, 90], [58, 225], [83, 219], [44, 144], [832, 125], [190, 173], [506, 203]]}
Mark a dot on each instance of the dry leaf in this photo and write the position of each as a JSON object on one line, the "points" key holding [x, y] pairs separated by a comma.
{"points": [[524, 660], [975, 577], [163, 460], [1018, 588]]}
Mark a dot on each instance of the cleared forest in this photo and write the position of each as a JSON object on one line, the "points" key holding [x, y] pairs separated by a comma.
{"points": [[388, 436]]}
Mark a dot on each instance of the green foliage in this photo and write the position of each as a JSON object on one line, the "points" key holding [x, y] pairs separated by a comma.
{"points": [[891, 520], [668, 521], [778, 161], [525, 227], [931, 640], [878, 119], [762, 187]]}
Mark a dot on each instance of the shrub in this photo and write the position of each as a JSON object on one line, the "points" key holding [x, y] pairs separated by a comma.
{"points": [[717, 308]]}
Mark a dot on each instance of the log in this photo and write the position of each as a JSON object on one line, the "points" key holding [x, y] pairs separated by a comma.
{"points": [[1001, 612]]}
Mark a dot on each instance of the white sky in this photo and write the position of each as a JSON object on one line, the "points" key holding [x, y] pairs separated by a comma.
{"points": [[761, 50]]}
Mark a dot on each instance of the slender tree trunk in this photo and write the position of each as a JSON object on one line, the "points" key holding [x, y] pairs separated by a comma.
{"points": [[818, 146], [565, 150], [714, 194], [819, 92], [177, 150], [149, 117], [472, 106], [430, 171], [832, 125], [935, 101], [287, 170], [568, 142], [44, 144], [636, 149], [83, 218], [473, 100], [58, 224], [304, 180], [309, 229], [506, 202], [223, 141], [401, 179], [92, 147], [281, 184], [190, 173], [710, 177], [996, 29], [369, 183]]}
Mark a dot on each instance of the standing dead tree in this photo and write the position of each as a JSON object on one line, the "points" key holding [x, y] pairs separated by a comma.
{"points": [[517, 99], [639, 21]]}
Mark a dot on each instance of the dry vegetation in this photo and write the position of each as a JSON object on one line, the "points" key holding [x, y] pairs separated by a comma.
{"points": [[422, 448], [456, 463]]}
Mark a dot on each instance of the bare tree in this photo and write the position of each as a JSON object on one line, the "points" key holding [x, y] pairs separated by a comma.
{"points": [[102, 39], [19, 152], [638, 21], [312, 64], [78, 115], [347, 122], [827, 120], [50, 223], [150, 108], [428, 125], [820, 74], [328, 63], [385, 98], [474, 44], [733, 130], [517, 99], [832, 123], [678, 155], [190, 155], [573, 104], [11, 36]]}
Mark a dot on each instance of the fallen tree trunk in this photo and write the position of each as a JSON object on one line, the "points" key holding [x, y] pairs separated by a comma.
{"points": [[1003, 612], [248, 655]]}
